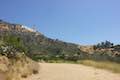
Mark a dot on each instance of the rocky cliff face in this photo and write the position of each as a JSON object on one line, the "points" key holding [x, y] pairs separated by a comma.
{"points": [[14, 27], [87, 49]]}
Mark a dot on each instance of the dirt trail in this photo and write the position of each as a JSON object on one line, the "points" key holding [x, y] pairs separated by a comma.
{"points": [[63, 71]]}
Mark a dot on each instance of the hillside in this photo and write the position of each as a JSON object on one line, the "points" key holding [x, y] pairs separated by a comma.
{"points": [[39, 47], [21, 46], [14, 64]]}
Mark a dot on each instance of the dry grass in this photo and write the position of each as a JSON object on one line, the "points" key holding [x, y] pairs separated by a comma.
{"points": [[21, 69], [18, 69], [111, 66]]}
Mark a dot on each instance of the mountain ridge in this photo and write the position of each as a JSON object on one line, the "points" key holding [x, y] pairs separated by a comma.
{"points": [[41, 43], [39, 47]]}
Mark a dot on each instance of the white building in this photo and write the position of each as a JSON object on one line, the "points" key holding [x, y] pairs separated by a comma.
{"points": [[30, 29]]}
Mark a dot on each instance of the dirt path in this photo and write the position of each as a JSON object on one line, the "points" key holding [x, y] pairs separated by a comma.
{"points": [[54, 71]]}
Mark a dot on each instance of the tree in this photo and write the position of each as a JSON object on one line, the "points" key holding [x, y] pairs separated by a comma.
{"points": [[103, 45]]}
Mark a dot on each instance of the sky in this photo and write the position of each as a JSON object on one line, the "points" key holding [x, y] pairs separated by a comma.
{"points": [[83, 22]]}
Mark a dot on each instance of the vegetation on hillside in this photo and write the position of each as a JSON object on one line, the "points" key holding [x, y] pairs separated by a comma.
{"points": [[14, 63], [106, 51], [17, 48], [104, 45], [38, 47]]}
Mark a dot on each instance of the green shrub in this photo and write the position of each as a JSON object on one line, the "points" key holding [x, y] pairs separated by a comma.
{"points": [[16, 42]]}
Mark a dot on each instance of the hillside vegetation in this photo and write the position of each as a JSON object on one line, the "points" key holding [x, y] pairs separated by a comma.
{"points": [[14, 64], [39, 47], [20, 47]]}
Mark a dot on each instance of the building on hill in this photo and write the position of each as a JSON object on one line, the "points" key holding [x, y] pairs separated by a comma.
{"points": [[28, 29]]}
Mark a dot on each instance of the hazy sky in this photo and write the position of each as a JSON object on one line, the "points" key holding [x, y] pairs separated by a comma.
{"points": [[77, 21]]}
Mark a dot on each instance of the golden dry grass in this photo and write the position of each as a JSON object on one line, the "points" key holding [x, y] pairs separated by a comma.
{"points": [[111, 66], [17, 69]]}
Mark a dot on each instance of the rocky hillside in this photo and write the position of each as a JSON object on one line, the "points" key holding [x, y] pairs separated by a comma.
{"points": [[36, 45], [103, 51], [39, 47], [14, 64], [5, 26], [88, 48]]}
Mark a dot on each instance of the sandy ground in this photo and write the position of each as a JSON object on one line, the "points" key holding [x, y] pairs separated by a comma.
{"points": [[63, 71], [2, 76]]}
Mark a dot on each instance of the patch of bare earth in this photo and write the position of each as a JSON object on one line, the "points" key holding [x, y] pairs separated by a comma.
{"points": [[2, 76], [63, 71]]}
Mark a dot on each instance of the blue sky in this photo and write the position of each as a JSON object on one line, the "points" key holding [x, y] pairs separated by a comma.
{"points": [[77, 21]]}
